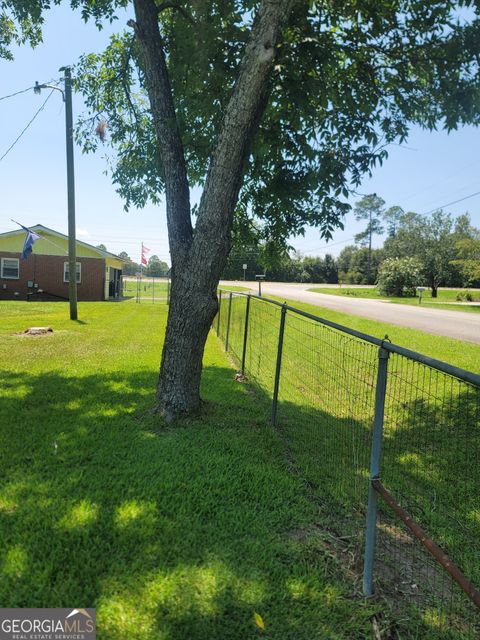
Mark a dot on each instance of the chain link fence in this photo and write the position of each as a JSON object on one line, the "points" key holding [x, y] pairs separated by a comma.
{"points": [[388, 440]]}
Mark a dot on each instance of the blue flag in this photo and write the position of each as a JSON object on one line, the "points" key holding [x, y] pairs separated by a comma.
{"points": [[29, 241]]}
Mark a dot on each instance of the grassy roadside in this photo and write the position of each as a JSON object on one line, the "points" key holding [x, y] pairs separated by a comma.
{"points": [[182, 533], [444, 296], [462, 354]]}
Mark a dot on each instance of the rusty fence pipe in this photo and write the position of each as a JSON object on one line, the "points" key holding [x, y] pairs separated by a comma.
{"points": [[451, 568]]}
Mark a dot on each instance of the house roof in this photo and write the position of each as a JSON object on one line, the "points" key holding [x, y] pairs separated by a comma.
{"points": [[38, 228]]}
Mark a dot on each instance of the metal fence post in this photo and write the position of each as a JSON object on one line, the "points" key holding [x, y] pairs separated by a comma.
{"points": [[218, 312], [371, 528], [245, 334], [281, 333], [228, 320]]}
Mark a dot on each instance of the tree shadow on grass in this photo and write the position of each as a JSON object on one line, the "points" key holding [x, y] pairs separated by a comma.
{"points": [[184, 532], [177, 533]]}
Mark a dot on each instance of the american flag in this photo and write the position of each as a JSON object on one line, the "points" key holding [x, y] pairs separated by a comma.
{"points": [[143, 259]]}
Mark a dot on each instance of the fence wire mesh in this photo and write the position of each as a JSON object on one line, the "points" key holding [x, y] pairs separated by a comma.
{"points": [[430, 455], [326, 391], [430, 463], [237, 326]]}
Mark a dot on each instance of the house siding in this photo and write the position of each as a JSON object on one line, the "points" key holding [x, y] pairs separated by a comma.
{"points": [[47, 271]]}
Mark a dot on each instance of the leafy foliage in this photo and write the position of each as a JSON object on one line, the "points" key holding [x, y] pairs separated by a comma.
{"points": [[284, 268], [469, 258], [392, 218], [357, 266], [369, 208], [130, 268], [431, 240], [156, 268], [349, 79], [399, 276]]}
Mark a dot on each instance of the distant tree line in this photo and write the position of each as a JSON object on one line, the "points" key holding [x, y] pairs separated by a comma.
{"points": [[283, 268], [419, 250]]}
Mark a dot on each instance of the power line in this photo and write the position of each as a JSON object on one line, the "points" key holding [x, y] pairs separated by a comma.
{"points": [[28, 125], [17, 93], [441, 181], [450, 203], [327, 246]]}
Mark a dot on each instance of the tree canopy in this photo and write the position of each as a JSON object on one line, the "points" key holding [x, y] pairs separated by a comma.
{"points": [[349, 78]]}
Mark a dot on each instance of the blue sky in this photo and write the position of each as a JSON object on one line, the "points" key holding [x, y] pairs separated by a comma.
{"points": [[432, 169]]}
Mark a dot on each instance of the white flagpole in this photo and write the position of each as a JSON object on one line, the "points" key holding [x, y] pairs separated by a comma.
{"points": [[141, 273]]}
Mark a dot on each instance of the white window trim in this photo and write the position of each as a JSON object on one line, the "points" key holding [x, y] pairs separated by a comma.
{"points": [[3, 276], [79, 267]]}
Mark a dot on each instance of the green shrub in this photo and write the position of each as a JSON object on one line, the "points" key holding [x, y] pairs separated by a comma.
{"points": [[399, 276], [464, 296]]}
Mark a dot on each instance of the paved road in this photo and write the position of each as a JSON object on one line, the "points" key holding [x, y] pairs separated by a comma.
{"points": [[453, 324]]}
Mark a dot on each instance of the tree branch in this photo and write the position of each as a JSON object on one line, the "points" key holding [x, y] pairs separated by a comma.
{"points": [[173, 5], [166, 128]]}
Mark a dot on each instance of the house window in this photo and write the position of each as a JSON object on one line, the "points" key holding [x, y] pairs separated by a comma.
{"points": [[10, 268], [66, 272]]}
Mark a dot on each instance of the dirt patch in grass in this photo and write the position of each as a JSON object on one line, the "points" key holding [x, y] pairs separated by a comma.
{"points": [[35, 332]]}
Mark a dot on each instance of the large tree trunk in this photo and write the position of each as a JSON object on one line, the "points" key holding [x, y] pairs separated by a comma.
{"points": [[199, 258], [193, 305]]}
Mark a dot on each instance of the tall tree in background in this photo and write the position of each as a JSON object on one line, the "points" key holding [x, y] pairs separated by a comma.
{"points": [[372, 209], [468, 260], [356, 265], [130, 268], [275, 108], [467, 244], [392, 218], [156, 268], [431, 240]]}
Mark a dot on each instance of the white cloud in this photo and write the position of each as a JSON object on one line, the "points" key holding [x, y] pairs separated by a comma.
{"points": [[83, 233]]}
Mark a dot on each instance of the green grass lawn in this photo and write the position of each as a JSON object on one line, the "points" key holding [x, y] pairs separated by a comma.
{"points": [[228, 287], [149, 288], [444, 296], [185, 532], [180, 533]]}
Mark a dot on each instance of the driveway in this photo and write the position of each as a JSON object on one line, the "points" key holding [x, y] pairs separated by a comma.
{"points": [[452, 324]]}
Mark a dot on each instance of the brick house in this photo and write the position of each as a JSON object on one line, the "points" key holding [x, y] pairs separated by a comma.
{"points": [[44, 274]]}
